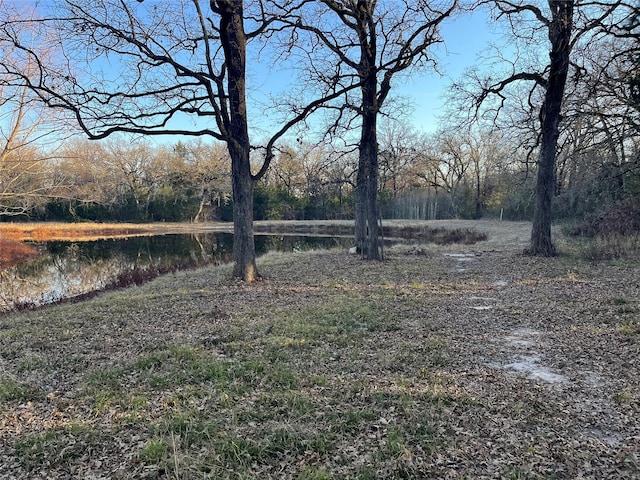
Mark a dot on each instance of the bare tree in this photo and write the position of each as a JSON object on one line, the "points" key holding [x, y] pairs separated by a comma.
{"points": [[140, 67], [365, 43], [606, 103], [565, 24], [206, 166], [400, 146], [83, 169], [26, 134]]}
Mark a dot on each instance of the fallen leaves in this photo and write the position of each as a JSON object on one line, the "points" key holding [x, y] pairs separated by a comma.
{"points": [[334, 368]]}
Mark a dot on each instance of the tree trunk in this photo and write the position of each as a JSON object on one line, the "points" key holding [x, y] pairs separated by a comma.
{"points": [[366, 213], [560, 30], [203, 199], [360, 209], [244, 253], [478, 213], [367, 231], [234, 43]]}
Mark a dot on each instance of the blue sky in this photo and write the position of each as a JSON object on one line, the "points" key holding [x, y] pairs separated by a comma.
{"points": [[466, 37]]}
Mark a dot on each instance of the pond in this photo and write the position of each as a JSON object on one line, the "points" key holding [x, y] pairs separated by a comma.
{"points": [[71, 269]]}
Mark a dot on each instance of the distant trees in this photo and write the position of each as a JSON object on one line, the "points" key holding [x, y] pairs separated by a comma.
{"points": [[603, 116], [197, 172], [446, 174], [400, 148], [24, 127], [307, 181], [124, 181], [422, 177]]}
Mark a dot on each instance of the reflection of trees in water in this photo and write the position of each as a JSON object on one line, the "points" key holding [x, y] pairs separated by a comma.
{"points": [[52, 278], [296, 243], [69, 269]]}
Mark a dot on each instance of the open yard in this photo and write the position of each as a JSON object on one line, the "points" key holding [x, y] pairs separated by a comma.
{"points": [[460, 361]]}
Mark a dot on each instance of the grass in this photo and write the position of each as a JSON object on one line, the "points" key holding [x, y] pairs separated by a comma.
{"points": [[42, 231], [630, 329], [243, 400], [610, 247], [12, 391], [391, 229], [63, 447], [329, 368]]}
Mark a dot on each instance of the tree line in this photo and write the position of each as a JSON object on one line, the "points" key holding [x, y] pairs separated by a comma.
{"points": [[551, 128], [422, 176]]}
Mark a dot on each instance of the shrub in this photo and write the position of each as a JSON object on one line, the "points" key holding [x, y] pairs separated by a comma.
{"points": [[610, 247], [618, 219]]}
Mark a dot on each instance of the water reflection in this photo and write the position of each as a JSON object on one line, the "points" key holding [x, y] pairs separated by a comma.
{"points": [[70, 269]]}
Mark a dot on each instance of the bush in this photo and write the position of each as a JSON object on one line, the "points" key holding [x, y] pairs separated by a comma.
{"points": [[618, 219], [611, 247], [614, 231]]}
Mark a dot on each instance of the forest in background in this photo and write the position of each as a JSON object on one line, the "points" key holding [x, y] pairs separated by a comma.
{"points": [[481, 174]]}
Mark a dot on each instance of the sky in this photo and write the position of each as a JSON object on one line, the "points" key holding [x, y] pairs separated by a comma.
{"points": [[466, 37]]}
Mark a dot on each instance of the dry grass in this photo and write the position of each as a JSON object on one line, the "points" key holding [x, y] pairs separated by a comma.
{"points": [[39, 232], [487, 365], [13, 252]]}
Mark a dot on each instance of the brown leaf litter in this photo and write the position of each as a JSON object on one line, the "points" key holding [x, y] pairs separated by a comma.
{"points": [[473, 362]]}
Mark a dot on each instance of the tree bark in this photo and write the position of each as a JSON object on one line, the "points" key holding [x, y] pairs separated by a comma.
{"points": [[366, 213], [368, 178], [478, 213], [234, 44], [560, 30], [244, 253], [360, 208]]}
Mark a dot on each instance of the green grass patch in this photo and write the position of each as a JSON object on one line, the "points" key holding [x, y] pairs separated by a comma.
{"points": [[30, 364], [59, 447], [625, 396], [12, 391], [352, 420], [108, 377], [420, 358], [190, 425], [315, 473], [225, 450], [180, 366], [623, 306], [154, 451], [285, 405], [619, 301], [332, 320], [630, 329]]}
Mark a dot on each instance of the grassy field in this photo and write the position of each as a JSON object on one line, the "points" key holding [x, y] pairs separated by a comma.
{"points": [[462, 362]]}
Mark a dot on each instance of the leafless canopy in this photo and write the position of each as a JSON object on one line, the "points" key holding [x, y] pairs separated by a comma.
{"points": [[338, 43]]}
